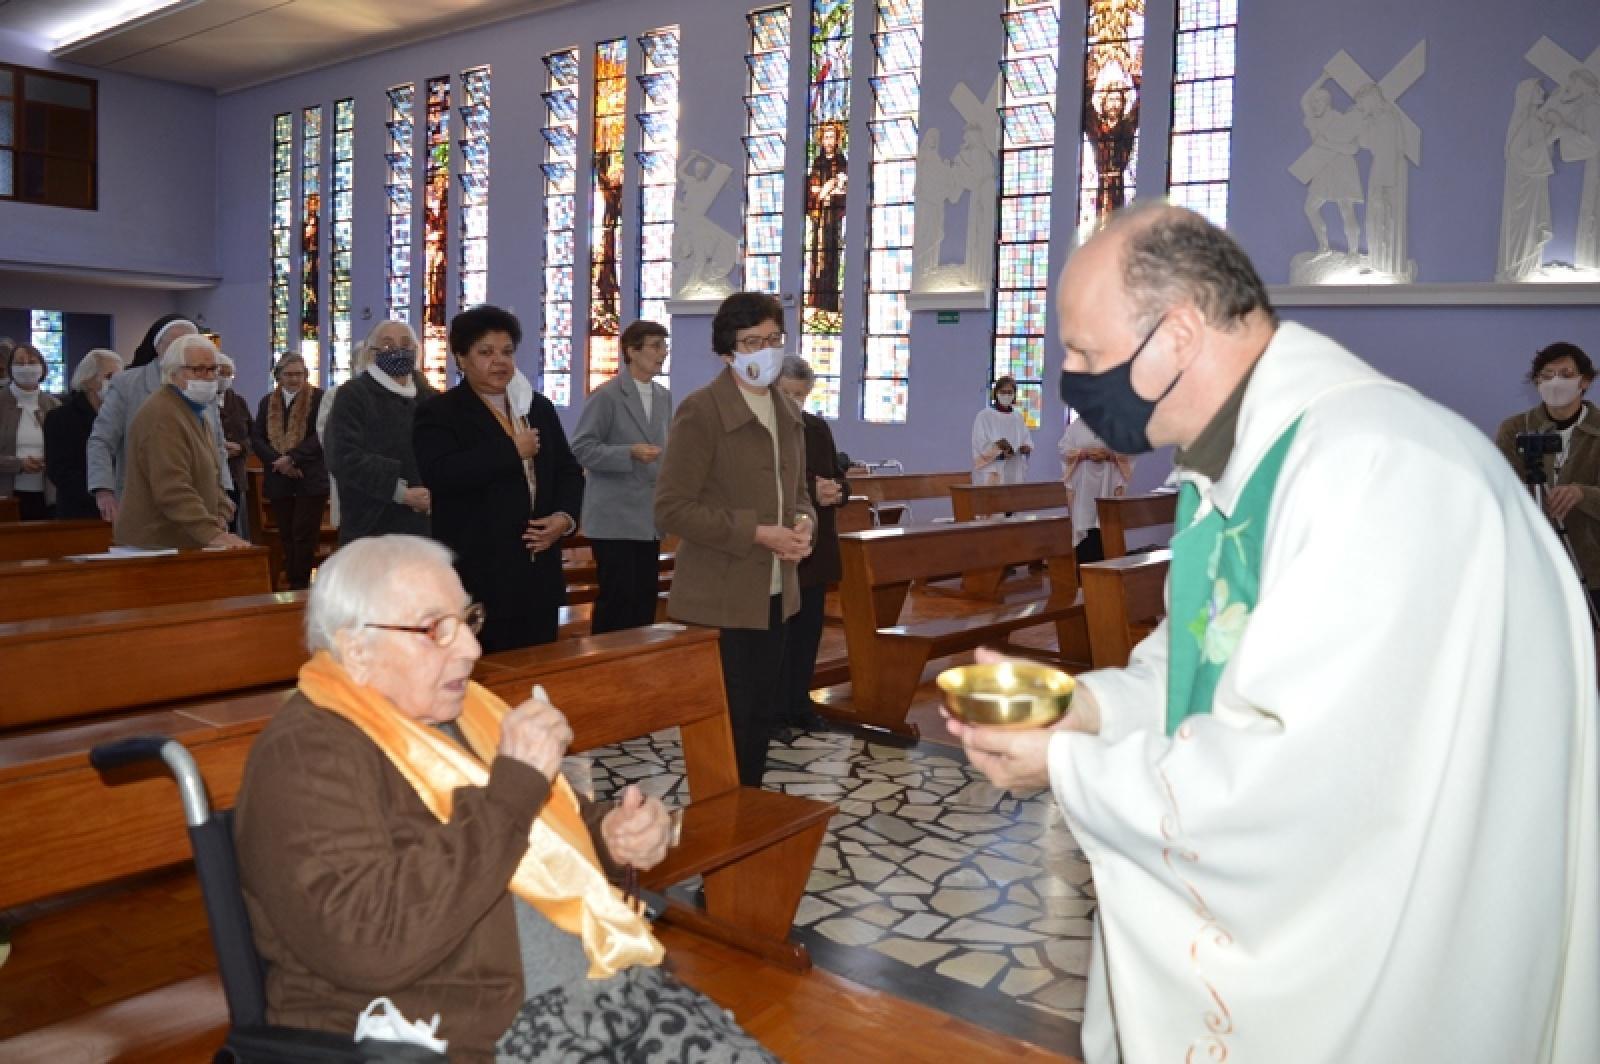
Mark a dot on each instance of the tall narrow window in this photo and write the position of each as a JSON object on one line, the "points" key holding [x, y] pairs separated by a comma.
{"points": [[475, 186], [402, 99], [766, 106], [311, 242], [46, 333], [436, 237], [343, 242], [1027, 148], [282, 230], [897, 70], [827, 164], [1198, 162], [658, 172], [560, 220], [605, 208], [1113, 73]]}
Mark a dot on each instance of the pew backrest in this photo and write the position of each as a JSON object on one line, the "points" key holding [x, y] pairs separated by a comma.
{"points": [[971, 501], [907, 487], [25, 540], [56, 587], [1122, 597], [1126, 513], [10, 509]]}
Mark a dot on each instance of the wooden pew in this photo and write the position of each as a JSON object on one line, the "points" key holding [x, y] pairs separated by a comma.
{"points": [[56, 587], [754, 848], [972, 502], [63, 668], [887, 658], [855, 515], [52, 539], [264, 526], [885, 489], [1123, 599], [10, 509], [1119, 516]]}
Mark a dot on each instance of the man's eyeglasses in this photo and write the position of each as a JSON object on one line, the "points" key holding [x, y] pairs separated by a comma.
{"points": [[201, 371], [751, 344], [442, 630]]}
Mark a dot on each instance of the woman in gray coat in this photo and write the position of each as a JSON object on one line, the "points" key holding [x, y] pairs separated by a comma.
{"points": [[619, 441], [367, 441]]}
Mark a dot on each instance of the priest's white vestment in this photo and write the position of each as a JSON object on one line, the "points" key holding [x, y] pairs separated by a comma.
{"points": [[1380, 844]]}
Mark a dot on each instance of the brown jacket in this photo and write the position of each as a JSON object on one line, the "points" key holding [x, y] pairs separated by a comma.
{"points": [[173, 496], [10, 418], [715, 487], [356, 891], [1582, 468]]}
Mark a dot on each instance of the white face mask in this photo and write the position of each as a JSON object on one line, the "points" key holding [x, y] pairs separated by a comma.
{"points": [[759, 368], [1558, 392], [28, 376], [200, 392]]}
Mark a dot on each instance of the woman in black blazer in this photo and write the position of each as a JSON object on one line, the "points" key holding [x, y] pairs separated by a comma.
{"points": [[505, 486]]}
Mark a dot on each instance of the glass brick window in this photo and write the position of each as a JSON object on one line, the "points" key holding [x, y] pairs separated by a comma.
{"points": [[436, 237], [1198, 163], [658, 174], [1027, 149], [46, 332], [282, 230], [343, 241], [896, 95], [401, 217], [766, 105], [827, 165], [311, 242], [474, 268], [1113, 71], [560, 221], [607, 169]]}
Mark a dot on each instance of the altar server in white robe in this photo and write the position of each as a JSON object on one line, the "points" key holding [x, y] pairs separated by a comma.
{"points": [[1001, 443], [1342, 804]]}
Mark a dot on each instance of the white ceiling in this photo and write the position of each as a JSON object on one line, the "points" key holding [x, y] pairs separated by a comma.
{"points": [[233, 44]]}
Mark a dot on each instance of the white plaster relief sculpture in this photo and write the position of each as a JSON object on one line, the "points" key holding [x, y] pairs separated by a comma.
{"points": [[969, 174], [703, 252], [1377, 126], [1568, 115]]}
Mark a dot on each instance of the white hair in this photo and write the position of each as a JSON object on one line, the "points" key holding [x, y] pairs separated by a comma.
{"points": [[226, 360], [155, 341], [91, 366], [173, 359], [353, 585], [364, 353], [796, 368]]}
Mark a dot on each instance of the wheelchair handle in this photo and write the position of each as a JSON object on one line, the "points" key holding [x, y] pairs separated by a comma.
{"points": [[191, 786]]}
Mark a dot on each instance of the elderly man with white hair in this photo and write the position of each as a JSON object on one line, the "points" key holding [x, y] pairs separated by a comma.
{"points": [[403, 833], [174, 494]]}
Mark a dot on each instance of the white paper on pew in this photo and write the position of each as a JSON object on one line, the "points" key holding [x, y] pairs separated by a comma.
{"points": [[124, 552]]}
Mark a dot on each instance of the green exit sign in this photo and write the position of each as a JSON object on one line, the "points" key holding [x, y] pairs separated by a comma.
{"points": [[949, 317]]}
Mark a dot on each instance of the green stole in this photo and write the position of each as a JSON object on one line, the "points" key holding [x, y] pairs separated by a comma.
{"points": [[1214, 583]]}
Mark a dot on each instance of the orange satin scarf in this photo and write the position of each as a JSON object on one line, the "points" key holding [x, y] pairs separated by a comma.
{"points": [[560, 875]]}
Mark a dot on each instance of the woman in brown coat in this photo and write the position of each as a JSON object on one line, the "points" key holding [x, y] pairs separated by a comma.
{"points": [[296, 482], [23, 406], [732, 489]]}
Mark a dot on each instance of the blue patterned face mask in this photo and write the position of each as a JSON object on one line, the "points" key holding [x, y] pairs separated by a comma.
{"points": [[397, 362]]}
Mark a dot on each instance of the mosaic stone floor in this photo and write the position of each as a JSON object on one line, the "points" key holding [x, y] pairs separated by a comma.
{"points": [[931, 884]]}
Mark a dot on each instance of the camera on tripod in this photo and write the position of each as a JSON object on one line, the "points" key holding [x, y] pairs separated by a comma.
{"points": [[1533, 446]]}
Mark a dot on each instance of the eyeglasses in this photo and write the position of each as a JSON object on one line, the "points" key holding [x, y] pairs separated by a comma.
{"points": [[201, 371], [442, 630], [1550, 375], [751, 344]]}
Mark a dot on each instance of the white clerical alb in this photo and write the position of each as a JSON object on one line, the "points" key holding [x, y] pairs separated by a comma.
{"points": [[989, 464], [1382, 842]]}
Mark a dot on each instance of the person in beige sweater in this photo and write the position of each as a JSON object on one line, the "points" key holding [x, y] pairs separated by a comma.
{"points": [[174, 495]]}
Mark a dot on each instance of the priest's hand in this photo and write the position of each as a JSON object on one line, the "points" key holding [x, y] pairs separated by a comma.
{"points": [[638, 831], [1012, 759], [1562, 499], [536, 733]]}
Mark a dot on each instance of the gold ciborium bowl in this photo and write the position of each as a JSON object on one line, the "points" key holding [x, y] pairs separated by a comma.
{"points": [[1012, 694]]}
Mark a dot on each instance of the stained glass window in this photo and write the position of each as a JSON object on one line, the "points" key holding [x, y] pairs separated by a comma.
{"points": [[436, 237], [608, 167], [311, 242], [1113, 71], [343, 242], [46, 333], [827, 165], [474, 186], [896, 70], [766, 122], [560, 187], [1027, 149], [282, 230], [658, 174], [398, 157], [1198, 162]]}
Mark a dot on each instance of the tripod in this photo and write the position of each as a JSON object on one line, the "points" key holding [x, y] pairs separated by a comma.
{"points": [[1534, 476]]}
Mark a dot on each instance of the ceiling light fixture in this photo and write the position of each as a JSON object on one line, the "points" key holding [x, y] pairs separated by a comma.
{"points": [[109, 16]]}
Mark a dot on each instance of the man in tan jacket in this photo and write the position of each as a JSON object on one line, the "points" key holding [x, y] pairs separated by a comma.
{"points": [[174, 495]]}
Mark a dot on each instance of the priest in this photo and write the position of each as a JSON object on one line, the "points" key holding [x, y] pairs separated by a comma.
{"points": [[1342, 803]]}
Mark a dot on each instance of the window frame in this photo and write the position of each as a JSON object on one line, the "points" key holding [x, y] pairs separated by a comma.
{"points": [[18, 98]]}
